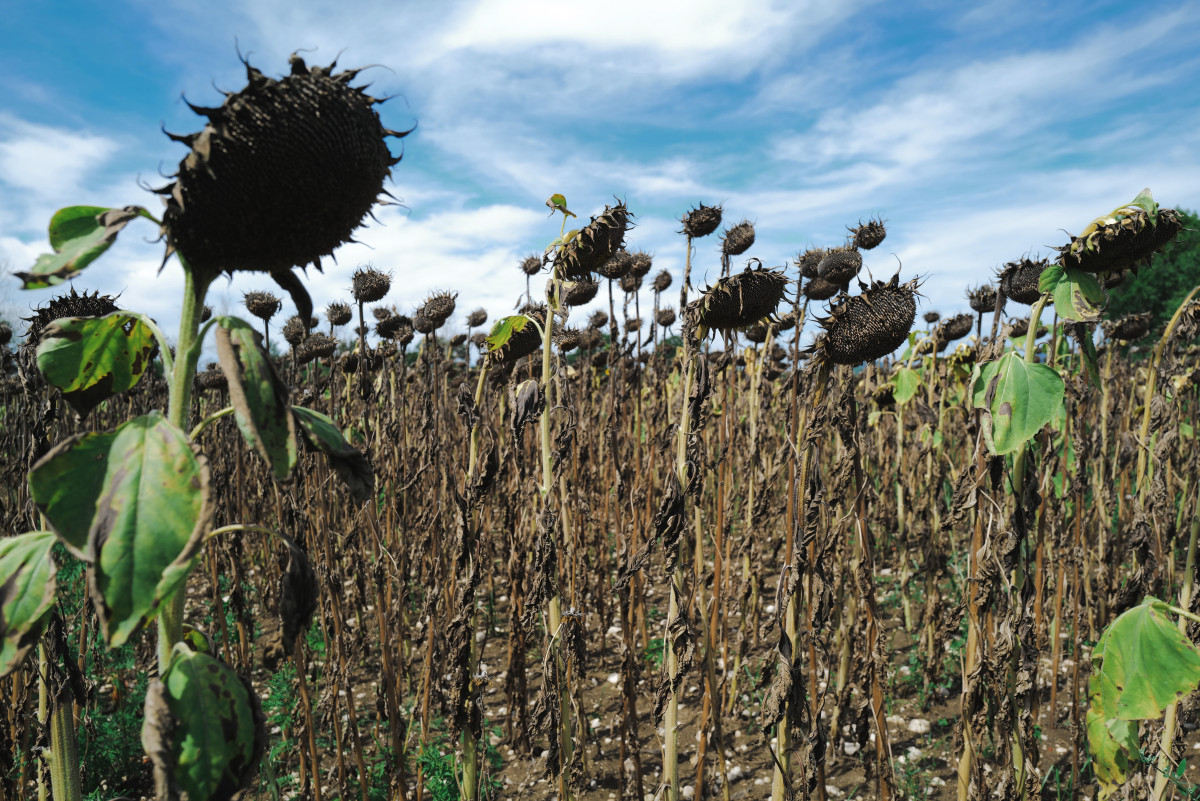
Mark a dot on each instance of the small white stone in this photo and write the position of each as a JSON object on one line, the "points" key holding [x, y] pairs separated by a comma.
{"points": [[687, 791], [608, 741], [833, 792], [614, 678], [736, 774], [545, 755], [769, 609], [594, 723], [614, 631], [937, 781], [850, 748], [919, 726], [480, 636]]}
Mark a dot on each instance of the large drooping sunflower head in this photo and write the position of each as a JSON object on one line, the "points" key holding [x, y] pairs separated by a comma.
{"points": [[282, 174], [1125, 238], [737, 301], [863, 328]]}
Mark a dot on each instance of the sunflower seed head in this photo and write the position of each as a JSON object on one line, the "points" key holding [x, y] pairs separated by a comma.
{"points": [[370, 285], [701, 221], [738, 239], [338, 313], [477, 318], [262, 305]]}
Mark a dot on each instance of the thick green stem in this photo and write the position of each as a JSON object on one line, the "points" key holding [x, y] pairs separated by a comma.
{"points": [[187, 353]]}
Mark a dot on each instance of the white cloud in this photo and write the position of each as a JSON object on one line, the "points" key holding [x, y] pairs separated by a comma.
{"points": [[45, 161]]}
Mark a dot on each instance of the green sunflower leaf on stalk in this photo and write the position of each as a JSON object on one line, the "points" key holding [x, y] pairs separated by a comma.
{"points": [[79, 235], [92, 359], [134, 503]]}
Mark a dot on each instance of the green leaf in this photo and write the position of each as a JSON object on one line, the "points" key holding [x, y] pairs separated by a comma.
{"points": [[1078, 296], [27, 592], [93, 358], [79, 235], [1147, 663], [906, 381], [1090, 359], [1145, 201], [1111, 743], [203, 727], [1186, 430], [321, 434], [504, 328], [1050, 277], [1020, 397], [559, 203], [134, 503], [258, 396]]}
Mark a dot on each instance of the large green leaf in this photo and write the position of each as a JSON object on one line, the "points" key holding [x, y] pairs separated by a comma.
{"points": [[1077, 295], [1147, 663], [1141, 664], [258, 396], [93, 358], [905, 383], [322, 434], [27, 590], [134, 503], [1019, 396], [79, 235], [203, 727]]}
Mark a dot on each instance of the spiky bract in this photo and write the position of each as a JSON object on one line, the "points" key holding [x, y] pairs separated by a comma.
{"points": [[281, 175], [863, 328]]}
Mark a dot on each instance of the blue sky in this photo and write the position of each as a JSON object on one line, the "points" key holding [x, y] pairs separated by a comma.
{"points": [[980, 133]]}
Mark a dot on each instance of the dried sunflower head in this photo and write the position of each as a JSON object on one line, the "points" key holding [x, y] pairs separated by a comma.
{"points": [[594, 245], [423, 324], [1125, 238], [616, 267], [338, 313], [863, 328], [580, 292], [262, 305], [738, 239], [820, 289], [599, 319], [640, 264], [868, 235], [477, 318], [282, 174], [294, 330], [522, 343], [931, 317], [956, 327], [370, 285], [662, 281], [1130, 328], [567, 338], [665, 317], [1019, 280], [69, 304], [439, 306], [392, 325], [458, 340], [316, 346], [839, 265], [737, 301], [381, 313], [809, 261], [5, 334], [530, 265], [630, 283], [982, 298], [633, 324], [701, 221]]}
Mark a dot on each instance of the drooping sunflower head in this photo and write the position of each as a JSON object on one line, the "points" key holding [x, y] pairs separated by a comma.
{"points": [[865, 327], [338, 313], [370, 285], [982, 299], [282, 174], [839, 265], [868, 235], [737, 301], [808, 262], [595, 244], [662, 281], [477, 318], [1019, 280], [738, 239], [262, 305], [69, 304], [1125, 238]]}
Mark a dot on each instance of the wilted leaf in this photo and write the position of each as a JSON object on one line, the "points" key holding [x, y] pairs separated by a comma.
{"points": [[27, 592], [93, 358], [258, 396], [79, 235], [298, 595], [321, 434]]}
